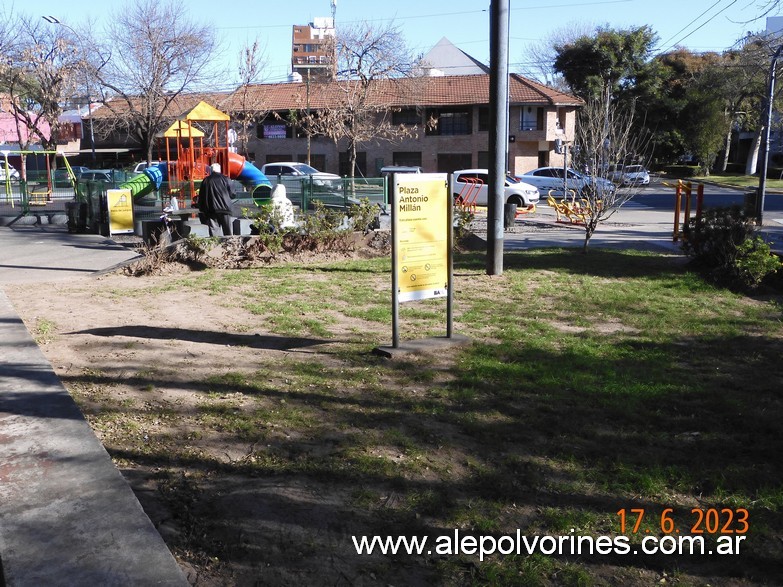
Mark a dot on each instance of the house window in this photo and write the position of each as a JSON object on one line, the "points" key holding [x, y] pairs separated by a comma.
{"points": [[532, 118], [407, 158], [361, 164], [483, 116], [406, 116], [317, 161], [451, 122]]}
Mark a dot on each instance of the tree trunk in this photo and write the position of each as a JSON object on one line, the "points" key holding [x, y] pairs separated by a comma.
{"points": [[591, 224], [726, 151], [753, 155], [352, 158]]}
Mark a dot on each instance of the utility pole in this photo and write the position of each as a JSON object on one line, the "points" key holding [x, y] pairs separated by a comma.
{"points": [[767, 129], [498, 131]]}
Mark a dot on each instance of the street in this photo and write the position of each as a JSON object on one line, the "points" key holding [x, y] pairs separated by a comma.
{"points": [[659, 196]]}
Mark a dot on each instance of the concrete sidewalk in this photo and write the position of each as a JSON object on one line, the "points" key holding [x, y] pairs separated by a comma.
{"points": [[67, 516], [50, 253]]}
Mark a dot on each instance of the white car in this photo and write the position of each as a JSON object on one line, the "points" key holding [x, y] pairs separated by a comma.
{"points": [[142, 165], [631, 175], [549, 180], [389, 170], [12, 172], [470, 185], [294, 169]]}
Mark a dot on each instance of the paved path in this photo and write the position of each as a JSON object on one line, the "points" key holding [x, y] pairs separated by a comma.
{"points": [[50, 253], [634, 226], [67, 516]]}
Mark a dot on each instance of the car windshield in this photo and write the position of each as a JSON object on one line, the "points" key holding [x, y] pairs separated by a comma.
{"points": [[634, 169], [512, 179], [305, 169]]}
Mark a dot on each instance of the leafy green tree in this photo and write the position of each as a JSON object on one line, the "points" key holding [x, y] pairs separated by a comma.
{"points": [[610, 62], [686, 108]]}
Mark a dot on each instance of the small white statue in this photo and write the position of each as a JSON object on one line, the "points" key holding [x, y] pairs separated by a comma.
{"points": [[283, 206]]}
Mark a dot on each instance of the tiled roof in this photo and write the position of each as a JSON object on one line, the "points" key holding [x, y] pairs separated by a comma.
{"points": [[455, 90], [180, 105]]}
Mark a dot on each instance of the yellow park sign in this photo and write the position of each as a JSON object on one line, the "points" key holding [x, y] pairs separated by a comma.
{"points": [[120, 205], [421, 235]]}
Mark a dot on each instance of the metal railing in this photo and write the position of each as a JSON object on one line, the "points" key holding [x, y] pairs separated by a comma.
{"points": [[336, 193], [41, 196]]}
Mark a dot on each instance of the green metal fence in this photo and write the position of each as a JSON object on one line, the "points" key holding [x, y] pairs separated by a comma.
{"points": [[302, 191], [86, 204]]}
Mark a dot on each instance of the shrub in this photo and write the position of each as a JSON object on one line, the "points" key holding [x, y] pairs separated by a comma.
{"points": [[724, 244], [463, 218], [755, 261], [320, 229], [268, 224], [364, 215], [682, 170]]}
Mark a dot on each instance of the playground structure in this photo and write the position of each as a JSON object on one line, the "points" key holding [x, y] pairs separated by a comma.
{"points": [[188, 158], [35, 188], [185, 151]]}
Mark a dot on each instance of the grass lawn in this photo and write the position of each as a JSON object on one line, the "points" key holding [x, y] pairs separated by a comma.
{"points": [[743, 181], [597, 386]]}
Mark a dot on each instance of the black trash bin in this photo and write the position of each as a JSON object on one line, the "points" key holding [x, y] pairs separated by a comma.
{"points": [[509, 215], [751, 202], [77, 216]]}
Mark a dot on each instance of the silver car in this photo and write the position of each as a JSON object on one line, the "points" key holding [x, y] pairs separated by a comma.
{"points": [[294, 169], [549, 181]]}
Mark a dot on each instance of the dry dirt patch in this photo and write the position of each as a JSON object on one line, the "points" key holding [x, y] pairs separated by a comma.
{"points": [[160, 373]]}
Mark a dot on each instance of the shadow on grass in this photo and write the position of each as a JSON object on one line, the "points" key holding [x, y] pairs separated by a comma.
{"points": [[598, 262], [688, 423], [256, 341]]}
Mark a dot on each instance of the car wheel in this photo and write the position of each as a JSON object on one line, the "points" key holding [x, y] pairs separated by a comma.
{"points": [[516, 200]]}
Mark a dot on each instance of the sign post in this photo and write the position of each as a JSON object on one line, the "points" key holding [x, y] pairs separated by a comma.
{"points": [[120, 206], [421, 246]]}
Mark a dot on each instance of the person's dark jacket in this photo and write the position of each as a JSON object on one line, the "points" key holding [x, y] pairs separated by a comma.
{"points": [[214, 195]]}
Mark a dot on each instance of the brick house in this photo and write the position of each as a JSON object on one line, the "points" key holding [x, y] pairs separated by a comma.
{"points": [[450, 115]]}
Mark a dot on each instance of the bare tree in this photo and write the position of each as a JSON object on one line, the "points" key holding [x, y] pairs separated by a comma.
{"points": [[246, 103], [606, 141], [40, 72], [539, 57], [373, 69], [155, 53]]}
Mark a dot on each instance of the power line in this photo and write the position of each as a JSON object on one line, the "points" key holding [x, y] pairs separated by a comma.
{"points": [[724, 9], [440, 14]]}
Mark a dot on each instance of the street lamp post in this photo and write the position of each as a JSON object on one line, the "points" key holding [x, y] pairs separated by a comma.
{"points": [[767, 129], [55, 20]]}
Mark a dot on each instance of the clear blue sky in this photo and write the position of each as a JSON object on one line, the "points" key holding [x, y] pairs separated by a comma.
{"points": [[700, 25]]}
